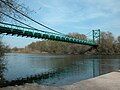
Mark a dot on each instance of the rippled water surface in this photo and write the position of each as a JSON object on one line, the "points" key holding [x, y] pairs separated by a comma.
{"points": [[67, 69]]}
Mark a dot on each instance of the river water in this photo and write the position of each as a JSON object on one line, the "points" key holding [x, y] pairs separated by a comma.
{"points": [[68, 68]]}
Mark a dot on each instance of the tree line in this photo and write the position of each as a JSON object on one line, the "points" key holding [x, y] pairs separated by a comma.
{"points": [[108, 45]]}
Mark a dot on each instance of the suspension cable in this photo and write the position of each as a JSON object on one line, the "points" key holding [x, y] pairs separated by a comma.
{"points": [[30, 17], [20, 21], [88, 33], [26, 24]]}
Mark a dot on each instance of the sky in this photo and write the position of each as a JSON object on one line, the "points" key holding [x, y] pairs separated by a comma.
{"points": [[67, 16]]}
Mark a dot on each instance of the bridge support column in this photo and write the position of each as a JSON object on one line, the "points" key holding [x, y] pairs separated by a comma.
{"points": [[96, 36]]}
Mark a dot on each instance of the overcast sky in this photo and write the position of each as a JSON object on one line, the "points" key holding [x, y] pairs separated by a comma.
{"points": [[71, 16]]}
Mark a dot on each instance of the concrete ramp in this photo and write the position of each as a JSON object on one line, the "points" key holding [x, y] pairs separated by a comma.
{"points": [[109, 81]]}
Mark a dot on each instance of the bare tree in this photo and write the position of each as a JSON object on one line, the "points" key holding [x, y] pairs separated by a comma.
{"points": [[118, 39], [9, 11], [5, 7]]}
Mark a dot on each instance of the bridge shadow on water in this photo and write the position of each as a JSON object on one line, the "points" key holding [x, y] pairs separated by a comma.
{"points": [[72, 69], [29, 79]]}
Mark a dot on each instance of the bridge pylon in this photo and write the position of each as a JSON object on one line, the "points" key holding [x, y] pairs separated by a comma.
{"points": [[96, 36]]}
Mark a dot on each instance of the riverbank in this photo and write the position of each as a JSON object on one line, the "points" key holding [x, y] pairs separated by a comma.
{"points": [[110, 81]]}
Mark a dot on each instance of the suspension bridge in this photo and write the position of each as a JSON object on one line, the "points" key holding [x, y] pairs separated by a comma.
{"points": [[30, 31], [34, 33], [25, 30]]}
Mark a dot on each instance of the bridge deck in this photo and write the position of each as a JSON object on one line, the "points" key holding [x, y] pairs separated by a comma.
{"points": [[28, 32]]}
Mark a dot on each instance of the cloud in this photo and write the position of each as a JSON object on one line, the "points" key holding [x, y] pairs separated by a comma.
{"points": [[77, 15], [60, 11]]}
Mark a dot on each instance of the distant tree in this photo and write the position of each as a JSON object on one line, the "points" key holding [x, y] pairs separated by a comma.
{"points": [[108, 44], [119, 39], [1, 49], [15, 49]]}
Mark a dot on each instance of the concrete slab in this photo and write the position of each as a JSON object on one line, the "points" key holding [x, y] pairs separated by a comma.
{"points": [[109, 81]]}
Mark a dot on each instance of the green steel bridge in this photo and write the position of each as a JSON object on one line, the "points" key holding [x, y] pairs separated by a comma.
{"points": [[11, 29]]}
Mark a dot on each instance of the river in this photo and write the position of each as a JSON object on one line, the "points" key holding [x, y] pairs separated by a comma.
{"points": [[68, 69]]}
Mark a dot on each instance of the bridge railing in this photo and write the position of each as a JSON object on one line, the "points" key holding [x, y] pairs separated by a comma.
{"points": [[58, 37], [12, 26]]}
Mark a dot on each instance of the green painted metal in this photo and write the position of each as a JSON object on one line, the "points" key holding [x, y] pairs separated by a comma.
{"points": [[29, 32], [96, 35]]}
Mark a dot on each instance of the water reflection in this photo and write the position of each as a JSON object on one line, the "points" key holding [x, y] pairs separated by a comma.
{"points": [[62, 69]]}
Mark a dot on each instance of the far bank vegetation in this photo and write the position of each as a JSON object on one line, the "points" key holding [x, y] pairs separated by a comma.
{"points": [[109, 45]]}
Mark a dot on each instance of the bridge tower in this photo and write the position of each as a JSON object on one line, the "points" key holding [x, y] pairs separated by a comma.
{"points": [[96, 36]]}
